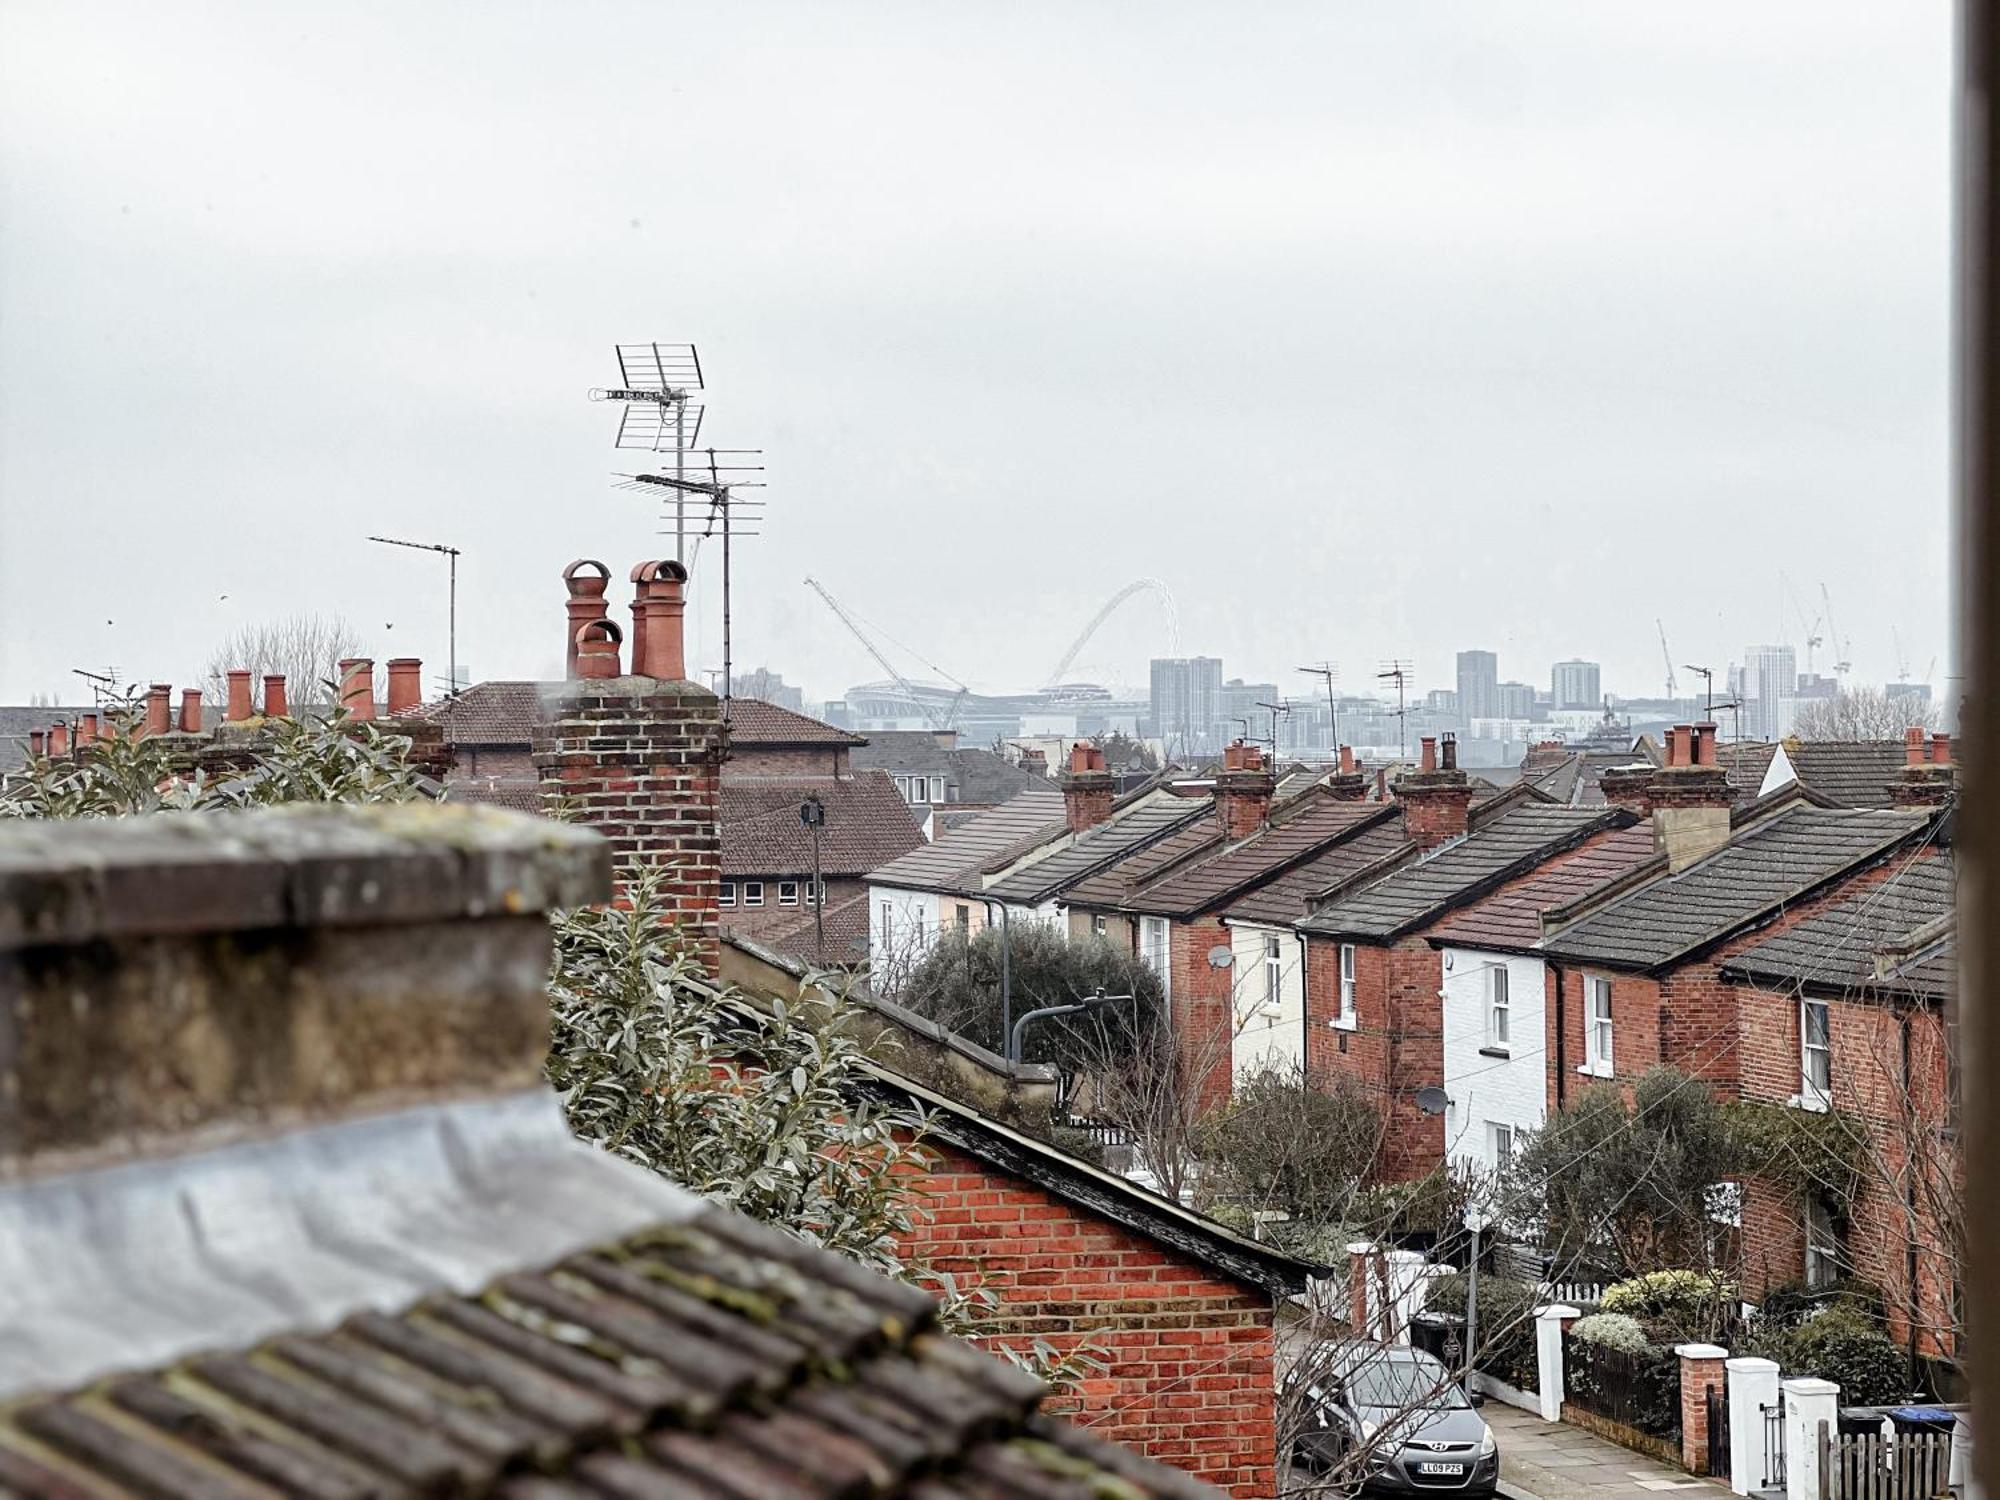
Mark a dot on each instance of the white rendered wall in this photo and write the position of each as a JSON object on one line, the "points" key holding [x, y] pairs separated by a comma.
{"points": [[1266, 1037], [1486, 1087]]}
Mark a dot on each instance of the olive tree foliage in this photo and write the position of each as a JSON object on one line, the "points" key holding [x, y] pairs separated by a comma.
{"points": [[1631, 1180], [306, 649], [1862, 713]]}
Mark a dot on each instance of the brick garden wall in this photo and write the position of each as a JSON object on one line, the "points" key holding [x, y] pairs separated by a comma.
{"points": [[1190, 1377]]}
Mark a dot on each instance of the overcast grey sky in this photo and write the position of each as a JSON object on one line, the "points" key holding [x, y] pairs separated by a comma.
{"points": [[1374, 329]]}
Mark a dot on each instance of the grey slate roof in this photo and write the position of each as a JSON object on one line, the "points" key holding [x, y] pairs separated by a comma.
{"points": [[1855, 773], [1907, 919], [952, 863], [1134, 828], [1764, 867], [1458, 872], [16, 724]]}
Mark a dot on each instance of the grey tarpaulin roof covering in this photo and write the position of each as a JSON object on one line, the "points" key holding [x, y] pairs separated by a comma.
{"points": [[1458, 872], [1766, 865], [647, 1345]]}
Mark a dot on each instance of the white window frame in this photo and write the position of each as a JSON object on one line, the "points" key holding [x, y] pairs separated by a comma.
{"points": [[889, 925], [753, 893], [788, 893], [1823, 1252], [937, 790], [1499, 1145], [1815, 1092], [962, 914], [1098, 925], [1599, 1034], [1348, 1019], [726, 897], [1499, 1008], [1274, 973], [1156, 950]]}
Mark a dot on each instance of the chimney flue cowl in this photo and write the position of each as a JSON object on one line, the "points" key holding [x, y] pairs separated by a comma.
{"points": [[406, 685], [586, 603], [596, 649], [658, 649], [1448, 751]]}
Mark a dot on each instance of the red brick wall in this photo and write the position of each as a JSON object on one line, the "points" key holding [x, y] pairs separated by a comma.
{"points": [[638, 761], [751, 921], [1189, 1380], [1202, 1006], [1397, 1045], [801, 760]]}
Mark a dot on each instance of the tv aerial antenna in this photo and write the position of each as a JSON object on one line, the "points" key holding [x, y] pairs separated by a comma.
{"points": [[1398, 669], [451, 605], [1277, 708], [1330, 672], [655, 386], [728, 513]]}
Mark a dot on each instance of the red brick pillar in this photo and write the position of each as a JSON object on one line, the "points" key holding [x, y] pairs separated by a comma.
{"points": [[1363, 1256], [1704, 1367], [639, 760]]}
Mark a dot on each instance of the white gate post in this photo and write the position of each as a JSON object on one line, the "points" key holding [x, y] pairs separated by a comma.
{"points": [[1549, 1324], [1753, 1385], [1406, 1287], [1809, 1404]]}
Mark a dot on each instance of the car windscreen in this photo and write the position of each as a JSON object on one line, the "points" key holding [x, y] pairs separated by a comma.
{"points": [[1403, 1384]]}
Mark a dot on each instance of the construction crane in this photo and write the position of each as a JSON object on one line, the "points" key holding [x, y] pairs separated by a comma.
{"points": [[1813, 637], [1842, 655], [948, 719], [1667, 655]]}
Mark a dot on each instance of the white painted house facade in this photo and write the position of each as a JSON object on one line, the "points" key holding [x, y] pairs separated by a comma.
{"points": [[1495, 1007], [1268, 978]]}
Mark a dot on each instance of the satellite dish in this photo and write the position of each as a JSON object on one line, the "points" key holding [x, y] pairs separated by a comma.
{"points": [[1221, 956], [1433, 1100]]}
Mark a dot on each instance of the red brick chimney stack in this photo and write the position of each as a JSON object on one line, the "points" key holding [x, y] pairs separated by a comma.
{"points": [[1348, 784], [1243, 790], [586, 603], [159, 708], [1691, 797], [190, 711], [406, 685], [1928, 777], [1087, 788], [1436, 798], [1629, 787], [239, 707], [595, 649], [275, 704], [357, 687], [660, 604]]}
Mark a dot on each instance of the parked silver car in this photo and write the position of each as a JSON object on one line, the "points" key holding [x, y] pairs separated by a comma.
{"points": [[1394, 1419]]}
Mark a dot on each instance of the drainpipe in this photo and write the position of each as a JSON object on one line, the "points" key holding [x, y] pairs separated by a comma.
{"points": [[1562, 1035]]}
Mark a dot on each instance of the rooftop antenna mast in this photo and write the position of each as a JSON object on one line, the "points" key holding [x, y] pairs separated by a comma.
{"points": [[655, 384], [1330, 672], [1399, 669], [451, 617], [723, 504], [1275, 709]]}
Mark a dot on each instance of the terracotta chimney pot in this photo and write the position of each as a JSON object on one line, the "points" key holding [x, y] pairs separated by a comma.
{"points": [[659, 649], [1704, 743], [357, 686], [586, 602], [58, 739], [190, 710], [239, 696], [1940, 749], [406, 685], [37, 742], [1913, 746], [1448, 752], [86, 730], [159, 708], [276, 705], [1428, 758], [596, 649], [1347, 760]]}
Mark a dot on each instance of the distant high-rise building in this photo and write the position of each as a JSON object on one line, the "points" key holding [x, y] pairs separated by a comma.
{"points": [[1478, 685], [1768, 688], [1186, 702], [1576, 684], [1515, 700], [1237, 704], [1441, 701]]}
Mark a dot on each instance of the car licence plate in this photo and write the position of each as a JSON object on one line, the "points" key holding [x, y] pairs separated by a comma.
{"points": [[1443, 1469]]}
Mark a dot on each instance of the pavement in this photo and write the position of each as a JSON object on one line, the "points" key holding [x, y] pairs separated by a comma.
{"points": [[1550, 1461]]}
